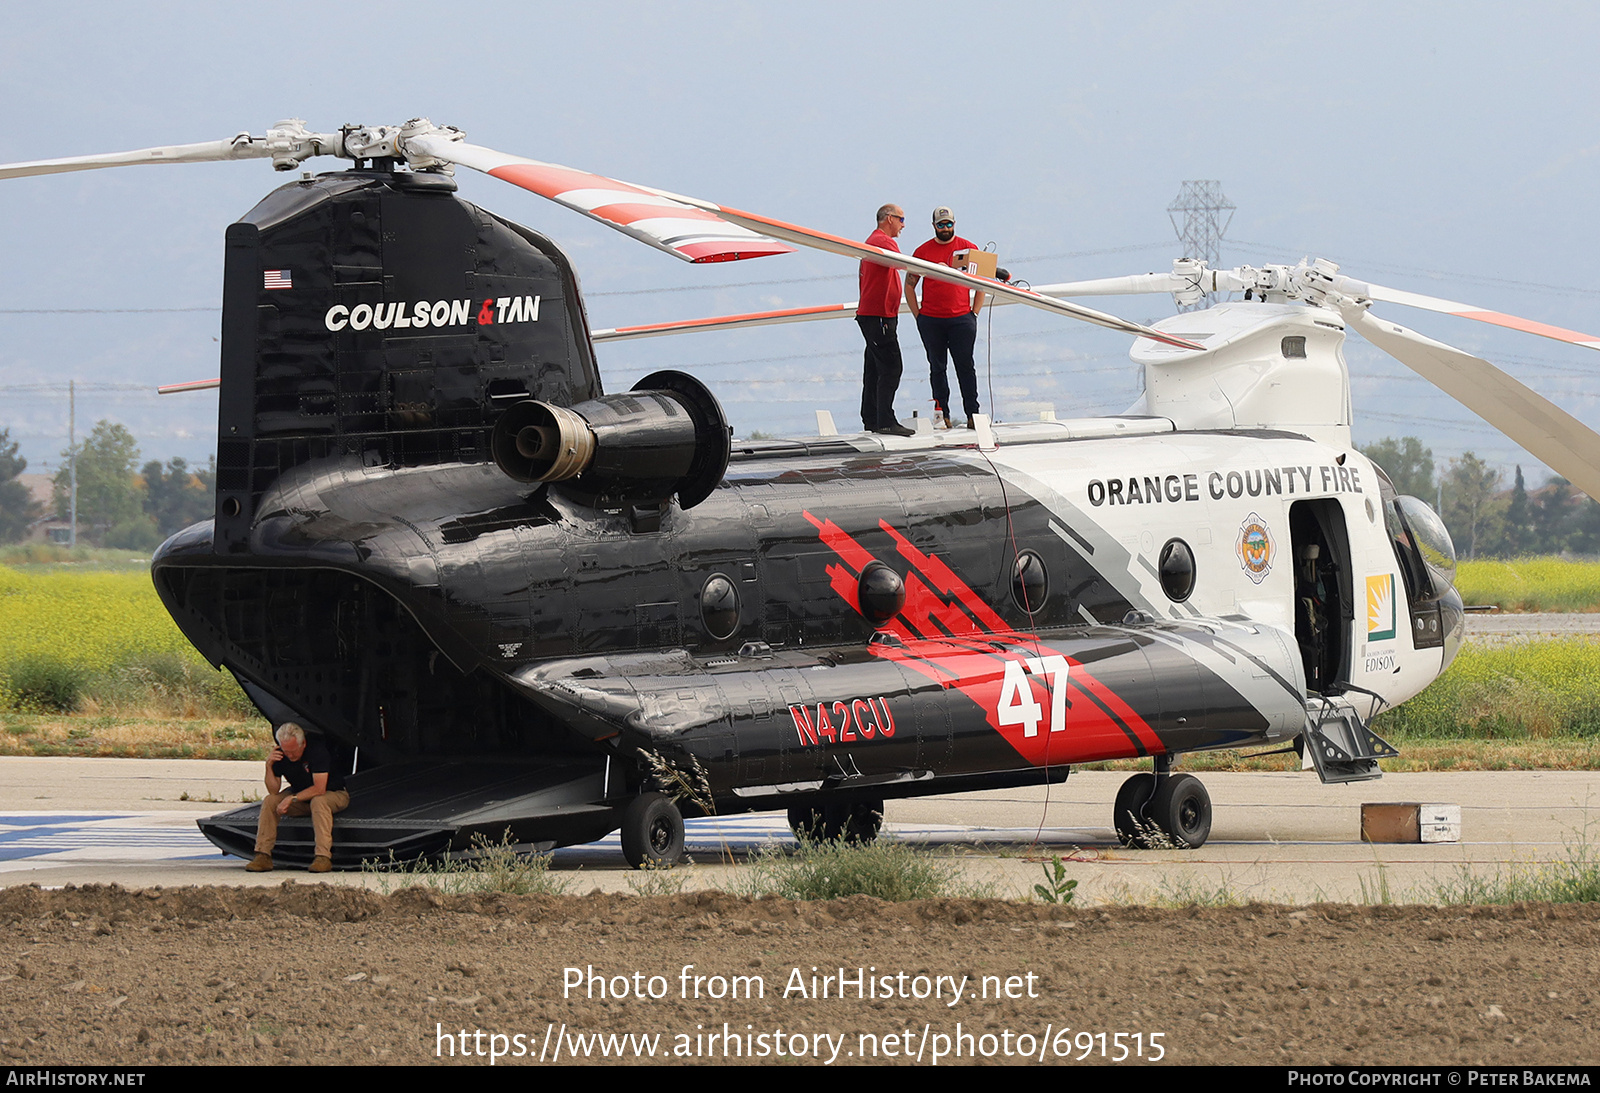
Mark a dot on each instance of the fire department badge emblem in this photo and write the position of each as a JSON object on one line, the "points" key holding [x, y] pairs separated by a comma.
{"points": [[1255, 547]]}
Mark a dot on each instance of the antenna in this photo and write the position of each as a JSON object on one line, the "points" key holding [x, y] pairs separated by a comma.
{"points": [[1202, 203]]}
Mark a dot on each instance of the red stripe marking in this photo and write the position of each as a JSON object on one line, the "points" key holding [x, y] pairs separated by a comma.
{"points": [[944, 580], [733, 252], [836, 538], [1528, 326]]}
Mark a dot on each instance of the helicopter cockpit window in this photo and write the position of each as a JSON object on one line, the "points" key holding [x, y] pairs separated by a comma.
{"points": [[1432, 539], [719, 606], [1030, 584], [1295, 346], [1177, 570]]}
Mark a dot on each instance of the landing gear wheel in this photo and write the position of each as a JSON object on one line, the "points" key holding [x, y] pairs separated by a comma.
{"points": [[862, 823], [652, 832], [810, 824], [1128, 814], [857, 824], [1181, 807]]}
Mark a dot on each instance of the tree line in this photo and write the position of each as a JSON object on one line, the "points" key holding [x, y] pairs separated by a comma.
{"points": [[1486, 518], [128, 506], [121, 504]]}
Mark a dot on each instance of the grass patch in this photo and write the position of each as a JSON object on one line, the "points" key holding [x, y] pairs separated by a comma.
{"points": [[1531, 584], [835, 869], [1533, 690], [1573, 879], [135, 737], [487, 868]]}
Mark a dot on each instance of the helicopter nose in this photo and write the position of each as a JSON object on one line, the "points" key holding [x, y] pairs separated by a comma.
{"points": [[1453, 622]]}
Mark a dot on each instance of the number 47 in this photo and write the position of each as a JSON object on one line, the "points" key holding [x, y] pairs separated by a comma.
{"points": [[1017, 706]]}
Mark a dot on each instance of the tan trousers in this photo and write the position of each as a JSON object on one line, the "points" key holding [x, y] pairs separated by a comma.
{"points": [[321, 810]]}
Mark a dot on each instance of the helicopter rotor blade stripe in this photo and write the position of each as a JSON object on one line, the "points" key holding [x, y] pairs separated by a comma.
{"points": [[684, 230], [834, 244], [1565, 444], [1482, 315]]}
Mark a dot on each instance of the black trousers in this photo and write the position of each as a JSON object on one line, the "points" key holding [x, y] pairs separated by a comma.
{"points": [[955, 336], [880, 371]]}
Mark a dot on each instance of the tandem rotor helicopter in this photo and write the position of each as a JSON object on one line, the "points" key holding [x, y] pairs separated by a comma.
{"points": [[522, 604]]}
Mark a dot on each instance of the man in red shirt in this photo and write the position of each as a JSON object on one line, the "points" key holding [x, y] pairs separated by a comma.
{"points": [[878, 315], [947, 319]]}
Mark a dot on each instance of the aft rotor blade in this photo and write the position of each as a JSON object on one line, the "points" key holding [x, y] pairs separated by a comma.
{"points": [[1153, 282], [661, 220], [807, 237], [1565, 444], [240, 147], [188, 385], [726, 322], [1466, 311]]}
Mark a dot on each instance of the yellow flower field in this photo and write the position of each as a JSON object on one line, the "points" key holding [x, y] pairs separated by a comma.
{"points": [[93, 621]]}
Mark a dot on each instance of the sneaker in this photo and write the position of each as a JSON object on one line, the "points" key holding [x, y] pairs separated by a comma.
{"points": [[261, 863], [321, 864], [894, 428]]}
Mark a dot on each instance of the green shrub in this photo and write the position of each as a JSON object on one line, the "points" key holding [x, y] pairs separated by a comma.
{"points": [[43, 684], [486, 868], [833, 870]]}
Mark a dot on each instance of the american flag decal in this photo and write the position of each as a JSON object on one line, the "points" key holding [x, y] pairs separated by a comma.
{"points": [[276, 278]]}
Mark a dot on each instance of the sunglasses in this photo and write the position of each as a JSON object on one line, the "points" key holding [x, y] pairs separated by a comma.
{"points": [[945, 224]]}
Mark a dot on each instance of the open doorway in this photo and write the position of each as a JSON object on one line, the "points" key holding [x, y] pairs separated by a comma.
{"points": [[1324, 592]]}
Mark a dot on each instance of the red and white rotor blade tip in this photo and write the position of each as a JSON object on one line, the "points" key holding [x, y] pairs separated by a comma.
{"points": [[809, 237], [1468, 311], [210, 151], [1565, 444], [682, 229]]}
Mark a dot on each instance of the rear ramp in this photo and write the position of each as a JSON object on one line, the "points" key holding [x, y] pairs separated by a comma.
{"points": [[428, 809]]}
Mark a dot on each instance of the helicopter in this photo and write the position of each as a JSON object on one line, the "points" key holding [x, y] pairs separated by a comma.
{"points": [[523, 607]]}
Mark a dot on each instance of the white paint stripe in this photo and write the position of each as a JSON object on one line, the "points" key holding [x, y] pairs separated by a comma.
{"points": [[597, 198]]}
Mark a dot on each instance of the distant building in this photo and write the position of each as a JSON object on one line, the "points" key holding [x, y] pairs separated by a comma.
{"points": [[49, 528]]}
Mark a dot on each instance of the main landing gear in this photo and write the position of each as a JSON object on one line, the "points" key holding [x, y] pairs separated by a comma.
{"points": [[856, 824], [652, 832], [1163, 809]]}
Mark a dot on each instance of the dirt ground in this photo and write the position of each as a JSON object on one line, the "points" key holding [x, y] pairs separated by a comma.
{"points": [[313, 973]]}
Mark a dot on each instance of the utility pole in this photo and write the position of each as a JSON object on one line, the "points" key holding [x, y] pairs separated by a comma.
{"points": [[72, 464], [1202, 203]]}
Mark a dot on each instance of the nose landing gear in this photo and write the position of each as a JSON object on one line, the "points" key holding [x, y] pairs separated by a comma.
{"points": [[1163, 809]]}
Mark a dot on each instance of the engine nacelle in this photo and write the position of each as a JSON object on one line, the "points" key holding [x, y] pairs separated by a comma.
{"points": [[667, 436]]}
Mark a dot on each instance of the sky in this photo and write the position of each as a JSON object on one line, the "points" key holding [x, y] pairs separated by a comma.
{"points": [[1449, 149]]}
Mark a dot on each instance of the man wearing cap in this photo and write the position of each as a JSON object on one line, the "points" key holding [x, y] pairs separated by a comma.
{"points": [[947, 319], [878, 316]]}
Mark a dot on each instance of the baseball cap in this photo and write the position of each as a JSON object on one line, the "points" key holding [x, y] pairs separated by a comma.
{"points": [[943, 212]]}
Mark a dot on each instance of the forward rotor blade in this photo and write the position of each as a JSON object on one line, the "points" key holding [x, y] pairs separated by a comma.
{"points": [[661, 220], [1565, 444], [240, 147], [807, 237], [1465, 311]]}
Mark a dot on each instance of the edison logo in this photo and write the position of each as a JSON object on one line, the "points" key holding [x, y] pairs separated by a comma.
{"points": [[1381, 609]]}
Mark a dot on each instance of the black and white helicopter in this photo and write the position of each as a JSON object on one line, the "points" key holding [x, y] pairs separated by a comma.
{"points": [[522, 604]]}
